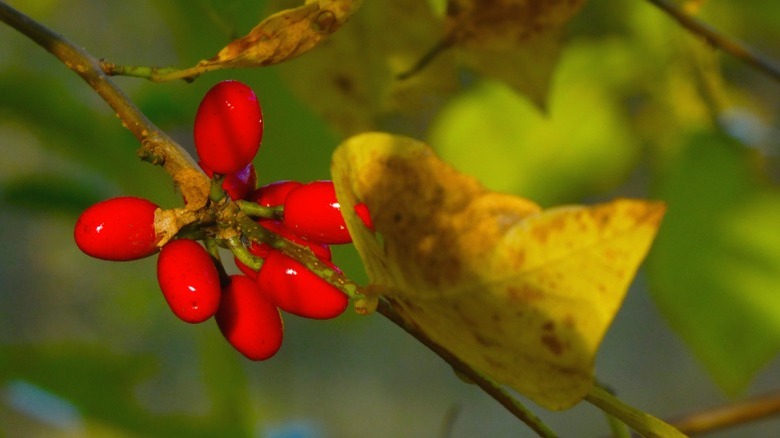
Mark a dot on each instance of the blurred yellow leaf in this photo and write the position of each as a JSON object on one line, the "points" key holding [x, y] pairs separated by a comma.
{"points": [[516, 41], [504, 24], [522, 295], [352, 79], [283, 35]]}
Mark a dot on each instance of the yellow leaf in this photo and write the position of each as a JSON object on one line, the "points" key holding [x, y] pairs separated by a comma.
{"points": [[284, 35], [505, 24], [527, 68], [516, 41], [522, 295]]}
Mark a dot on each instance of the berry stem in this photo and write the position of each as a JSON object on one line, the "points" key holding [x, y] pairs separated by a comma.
{"points": [[242, 253], [213, 249], [250, 228], [216, 192], [256, 210], [303, 255]]}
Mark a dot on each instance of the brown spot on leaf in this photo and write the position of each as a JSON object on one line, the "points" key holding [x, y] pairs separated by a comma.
{"points": [[553, 344], [344, 83], [524, 293], [484, 341]]}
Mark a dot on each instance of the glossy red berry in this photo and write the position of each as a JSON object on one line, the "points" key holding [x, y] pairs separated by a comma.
{"points": [[313, 212], [271, 195], [237, 184], [228, 127], [295, 289], [361, 210], [117, 229], [248, 319], [189, 280]]}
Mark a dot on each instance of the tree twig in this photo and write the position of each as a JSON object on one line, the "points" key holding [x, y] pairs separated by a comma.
{"points": [[156, 145], [491, 388], [732, 46], [731, 415]]}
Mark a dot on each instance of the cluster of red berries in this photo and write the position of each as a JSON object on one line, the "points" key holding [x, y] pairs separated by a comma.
{"points": [[246, 307]]}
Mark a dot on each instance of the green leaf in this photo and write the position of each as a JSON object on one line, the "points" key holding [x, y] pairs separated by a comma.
{"points": [[715, 268], [580, 147]]}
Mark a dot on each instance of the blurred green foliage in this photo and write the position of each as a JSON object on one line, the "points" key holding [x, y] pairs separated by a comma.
{"points": [[716, 266], [637, 107]]}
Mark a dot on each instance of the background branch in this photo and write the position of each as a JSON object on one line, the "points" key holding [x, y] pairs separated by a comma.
{"points": [[713, 37], [156, 146], [731, 415]]}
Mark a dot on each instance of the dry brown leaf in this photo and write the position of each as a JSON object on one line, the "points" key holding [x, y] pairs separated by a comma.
{"points": [[516, 41], [285, 35], [504, 24]]}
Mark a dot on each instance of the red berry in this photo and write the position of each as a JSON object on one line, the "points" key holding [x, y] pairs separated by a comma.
{"points": [[313, 212], [320, 250], [228, 127], [237, 184], [361, 210], [117, 229], [295, 289], [248, 319], [189, 280], [273, 194]]}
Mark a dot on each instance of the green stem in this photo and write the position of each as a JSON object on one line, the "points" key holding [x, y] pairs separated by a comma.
{"points": [[216, 192], [302, 254], [259, 211], [619, 429], [154, 142], [213, 249], [154, 74], [162, 74], [252, 229], [642, 422], [427, 58], [242, 253]]}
